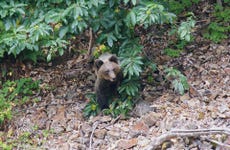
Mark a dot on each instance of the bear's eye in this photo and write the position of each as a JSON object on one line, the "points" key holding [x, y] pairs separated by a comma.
{"points": [[114, 69], [107, 72]]}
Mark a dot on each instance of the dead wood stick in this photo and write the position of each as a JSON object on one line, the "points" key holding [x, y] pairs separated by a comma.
{"points": [[186, 133], [208, 131], [218, 143], [91, 136], [91, 41]]}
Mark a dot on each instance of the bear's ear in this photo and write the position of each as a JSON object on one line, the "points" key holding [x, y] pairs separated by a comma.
{"points": [[113, 58], [98, 63]]}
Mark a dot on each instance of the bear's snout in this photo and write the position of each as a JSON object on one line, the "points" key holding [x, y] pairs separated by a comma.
{"points": [[113, 79]]}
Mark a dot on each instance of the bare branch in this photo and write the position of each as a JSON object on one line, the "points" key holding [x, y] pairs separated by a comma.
{"points": [[91, 42], [91, 136], [218, 143], [186, 133]]}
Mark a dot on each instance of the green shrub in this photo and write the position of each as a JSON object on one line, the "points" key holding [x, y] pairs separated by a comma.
{"points": [[179, 81], [172, 52], [185, 29], [178, 6], [91, 108], [216, 32], [116, 24], [45, 27], [13, 93], [119, 107], [219, 29], [5, 146]]}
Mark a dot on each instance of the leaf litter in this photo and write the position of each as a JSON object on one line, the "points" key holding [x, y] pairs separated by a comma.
{"points": [[56, 121]]}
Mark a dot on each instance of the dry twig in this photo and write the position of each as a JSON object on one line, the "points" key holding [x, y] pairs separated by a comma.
{"points": [[218, 143], [91, 41], [186, 133], [91, 136]]}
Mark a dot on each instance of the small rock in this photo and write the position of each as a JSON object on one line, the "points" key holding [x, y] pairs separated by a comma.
{"points": [[151, 118], [223, 108], [100, 133], [142, 107], [214, 115], [126, 144]]}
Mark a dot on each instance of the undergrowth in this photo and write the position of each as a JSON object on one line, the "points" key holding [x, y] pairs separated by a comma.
{"points": [[178, 6], [14, 93], [126, 45], [219, 29], [25, 140], [33, 28]]}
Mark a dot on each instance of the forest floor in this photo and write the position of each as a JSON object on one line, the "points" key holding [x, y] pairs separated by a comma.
{"points": [[56, 121]]}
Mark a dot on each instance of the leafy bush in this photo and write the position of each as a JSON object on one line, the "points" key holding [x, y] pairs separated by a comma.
{"points": [[5, 146], [183, 34], [219, 29], [178, 6], [172, 52], [185, 28], [119, 107], [13, 93], [45, 27], [27, 26], [216, 32], [179, 81], [92, 108], [116, 24]]}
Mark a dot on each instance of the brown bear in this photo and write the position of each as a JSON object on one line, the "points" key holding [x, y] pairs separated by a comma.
{"points": [[109, 76]]}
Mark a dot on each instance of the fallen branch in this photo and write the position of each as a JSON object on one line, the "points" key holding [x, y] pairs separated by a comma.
{"points": [[91, 42], [218, 143], [186, 133], [91, 136], [115, 120]]}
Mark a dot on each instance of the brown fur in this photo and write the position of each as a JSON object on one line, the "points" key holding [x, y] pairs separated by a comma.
{"points": [[109, 76]]}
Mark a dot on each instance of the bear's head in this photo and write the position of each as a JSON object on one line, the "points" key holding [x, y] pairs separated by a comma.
{"points": [[107, 68]]}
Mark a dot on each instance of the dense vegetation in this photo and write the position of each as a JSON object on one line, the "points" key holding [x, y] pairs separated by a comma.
{"points": [[42, 30]]}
